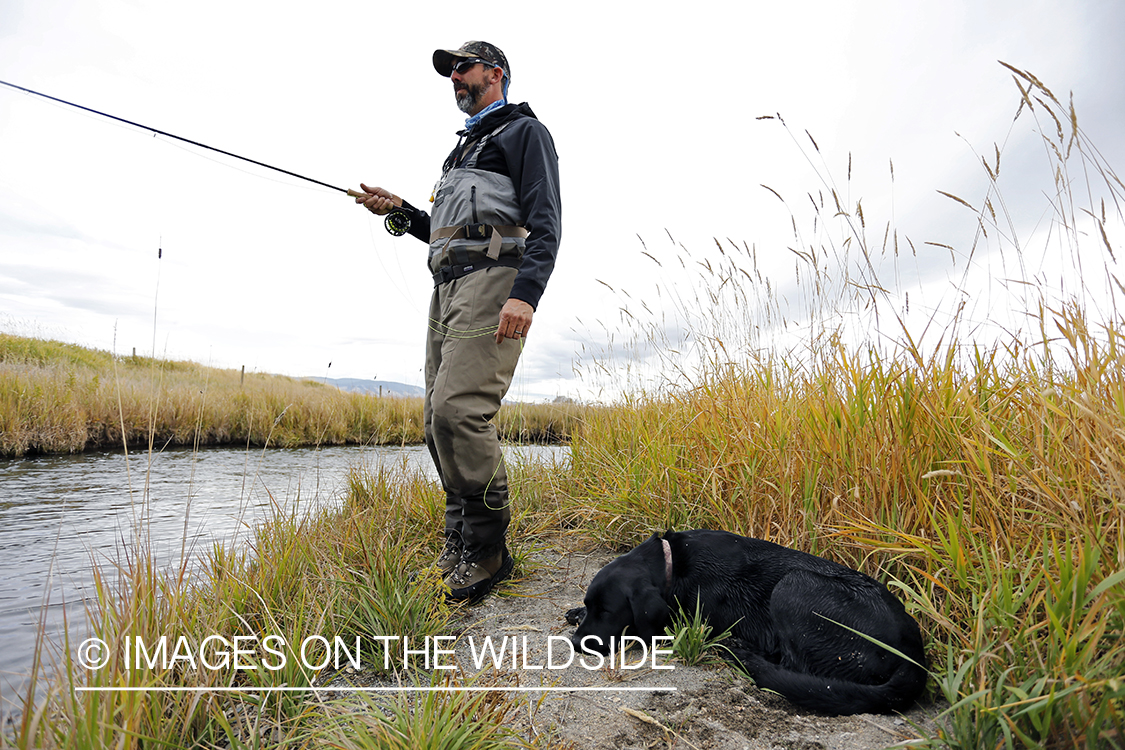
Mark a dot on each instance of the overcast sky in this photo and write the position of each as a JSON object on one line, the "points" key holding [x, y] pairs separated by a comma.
{"points": [[653, 107]]}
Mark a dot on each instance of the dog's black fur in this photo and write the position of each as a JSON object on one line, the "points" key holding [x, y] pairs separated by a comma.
{"points": [[778, 603]]}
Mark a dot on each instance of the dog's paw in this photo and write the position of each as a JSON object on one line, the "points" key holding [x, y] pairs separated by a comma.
{"points": [[575, 616], [739, 653]]}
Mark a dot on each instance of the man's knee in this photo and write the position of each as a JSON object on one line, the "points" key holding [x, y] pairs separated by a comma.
{"points": [[447, 414]]}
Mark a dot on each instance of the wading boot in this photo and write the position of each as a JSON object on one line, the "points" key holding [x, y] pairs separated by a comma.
{"points": [[445, 563], [473, 579], [449, 558]]}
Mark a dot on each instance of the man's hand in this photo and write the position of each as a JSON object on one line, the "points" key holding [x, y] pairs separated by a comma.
{"points": [[376, 199], [515, 320]]}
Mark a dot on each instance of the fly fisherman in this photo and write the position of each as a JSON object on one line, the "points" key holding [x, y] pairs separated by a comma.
{"points": [[493, 236]]}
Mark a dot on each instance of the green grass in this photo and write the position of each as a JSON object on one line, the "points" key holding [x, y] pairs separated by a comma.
{"points": [[694, 641], [427, 721]]}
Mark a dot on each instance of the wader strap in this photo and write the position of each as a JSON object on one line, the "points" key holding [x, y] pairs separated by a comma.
{"points": [[449, 273], [478, 232]]}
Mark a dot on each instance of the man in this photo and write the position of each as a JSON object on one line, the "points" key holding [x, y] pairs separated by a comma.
{"points": [[493, 236]]}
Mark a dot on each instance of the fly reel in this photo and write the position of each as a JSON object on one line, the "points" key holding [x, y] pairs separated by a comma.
{"points": [[397, 222]]}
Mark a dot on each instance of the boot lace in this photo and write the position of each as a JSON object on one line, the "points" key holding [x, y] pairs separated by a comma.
{"points": [[461, 575]]}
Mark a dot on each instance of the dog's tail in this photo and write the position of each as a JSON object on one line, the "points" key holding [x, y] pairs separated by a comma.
{"points": [[836, 696]]}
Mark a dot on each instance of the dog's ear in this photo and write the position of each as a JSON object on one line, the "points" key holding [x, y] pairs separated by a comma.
{"points": [[650, 612]]}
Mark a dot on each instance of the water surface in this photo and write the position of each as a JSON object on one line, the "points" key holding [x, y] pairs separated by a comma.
{"points": [[61, 514]]}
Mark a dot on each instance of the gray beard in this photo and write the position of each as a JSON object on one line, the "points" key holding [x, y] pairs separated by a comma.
{"points": [[469, 102]]}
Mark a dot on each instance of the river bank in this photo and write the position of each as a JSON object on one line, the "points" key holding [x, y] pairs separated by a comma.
{"points": [[64, 515], [62, 398], [985, 492], [707, 705], [1009, 556]]}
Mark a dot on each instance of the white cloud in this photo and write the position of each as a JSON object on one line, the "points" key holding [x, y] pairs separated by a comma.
{"points": [[653, 113]]}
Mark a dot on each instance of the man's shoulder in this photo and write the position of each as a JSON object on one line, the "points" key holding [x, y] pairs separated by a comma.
{"points": [[519, 136], [527, 130], [514, 117]]}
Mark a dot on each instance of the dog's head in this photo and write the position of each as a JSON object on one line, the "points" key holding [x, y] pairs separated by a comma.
{"points": [[627, 595]]}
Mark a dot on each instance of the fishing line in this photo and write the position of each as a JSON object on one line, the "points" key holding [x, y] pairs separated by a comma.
{"points": [[386, 272], [443, 329], [166, 134]]}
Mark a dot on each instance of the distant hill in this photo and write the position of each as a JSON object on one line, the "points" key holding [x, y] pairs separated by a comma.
{"points": [[389, 388]]}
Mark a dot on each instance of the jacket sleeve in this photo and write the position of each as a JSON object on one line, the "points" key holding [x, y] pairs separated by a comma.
{"points": [[534, 165], [419, 223]]}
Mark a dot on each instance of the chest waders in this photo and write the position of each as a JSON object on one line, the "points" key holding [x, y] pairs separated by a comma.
{"points": [[474, 255], [477, 215]]}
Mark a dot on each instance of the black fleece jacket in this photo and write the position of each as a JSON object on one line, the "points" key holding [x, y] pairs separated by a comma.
{"points": [[525, 152]]}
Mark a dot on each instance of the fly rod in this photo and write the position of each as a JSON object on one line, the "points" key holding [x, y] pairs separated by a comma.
{"points": [[352, 193]]}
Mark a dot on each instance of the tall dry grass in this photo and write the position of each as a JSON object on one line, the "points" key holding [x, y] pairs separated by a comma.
{"points": [[981, 473], [62, 398]]}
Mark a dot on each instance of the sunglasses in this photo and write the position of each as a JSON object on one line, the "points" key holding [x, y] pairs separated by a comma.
{"points": [[463, 67]]}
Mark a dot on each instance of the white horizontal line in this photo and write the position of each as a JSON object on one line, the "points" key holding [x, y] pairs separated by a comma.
{"points": [[287, 689]]}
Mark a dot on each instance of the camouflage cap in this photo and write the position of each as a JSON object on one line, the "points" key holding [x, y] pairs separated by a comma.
{"points": [[444, 58]]}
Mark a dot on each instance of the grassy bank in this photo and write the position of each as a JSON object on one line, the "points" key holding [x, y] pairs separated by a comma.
{"points": [[995, 513], [976, 465], [62, 398], [982, 480], [987, 493]]}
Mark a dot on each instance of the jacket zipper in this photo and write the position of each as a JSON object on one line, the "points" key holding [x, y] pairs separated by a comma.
{"points": [[473, 200]]}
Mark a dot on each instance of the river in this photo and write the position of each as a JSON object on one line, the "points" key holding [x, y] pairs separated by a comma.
{"points": [[60, 515]]}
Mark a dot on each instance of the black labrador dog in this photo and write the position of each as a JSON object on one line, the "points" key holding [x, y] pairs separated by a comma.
{"points": [[788, 611]]}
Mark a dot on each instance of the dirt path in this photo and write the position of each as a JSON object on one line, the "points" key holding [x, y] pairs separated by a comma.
{"points": [[704, 707]]}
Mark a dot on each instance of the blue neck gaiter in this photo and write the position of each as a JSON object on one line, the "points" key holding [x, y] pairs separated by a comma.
{"points": [[469, 123]]}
